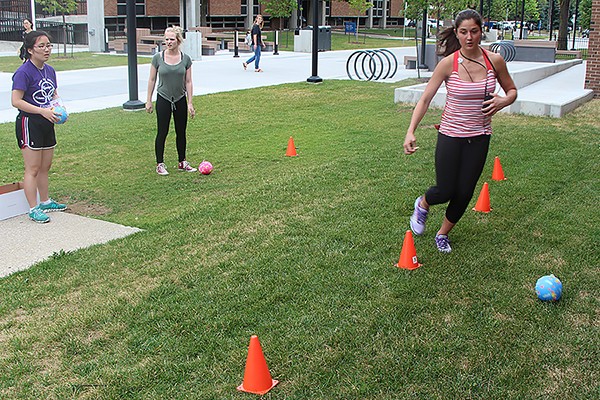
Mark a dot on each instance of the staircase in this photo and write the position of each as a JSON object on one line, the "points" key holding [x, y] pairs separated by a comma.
{"points": [[544, 89]]}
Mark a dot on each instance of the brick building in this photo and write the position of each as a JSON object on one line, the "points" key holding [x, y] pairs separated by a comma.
{"points": [[231, 14], [592, 76]]}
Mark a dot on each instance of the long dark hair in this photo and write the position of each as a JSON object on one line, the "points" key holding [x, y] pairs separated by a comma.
{"points": [[30, 40], [447, 42]]}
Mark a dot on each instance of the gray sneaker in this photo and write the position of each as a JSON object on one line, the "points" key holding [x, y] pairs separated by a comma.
{"points": [[443, 243], [418, 219]]}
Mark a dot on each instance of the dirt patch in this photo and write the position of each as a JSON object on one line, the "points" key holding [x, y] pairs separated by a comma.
{"points": [[85, 208]]}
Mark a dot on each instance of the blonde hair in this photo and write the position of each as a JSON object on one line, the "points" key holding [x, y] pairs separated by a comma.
{"points": [[262, 21], [177, 31]]}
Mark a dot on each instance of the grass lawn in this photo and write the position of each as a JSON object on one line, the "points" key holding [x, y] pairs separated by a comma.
{"points": [[343, 42], [82, 60], [300, 251]]}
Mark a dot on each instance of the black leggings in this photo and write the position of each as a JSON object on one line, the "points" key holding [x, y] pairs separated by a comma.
{"points": [[163, 120], [458, 166]]}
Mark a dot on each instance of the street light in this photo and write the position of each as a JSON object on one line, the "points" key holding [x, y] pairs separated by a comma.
{"points": [[575, 23], [133, 103], [315, 78]]}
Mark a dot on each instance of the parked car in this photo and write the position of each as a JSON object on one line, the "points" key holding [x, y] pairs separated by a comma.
{"points": [[492, 25], [507, 25]]}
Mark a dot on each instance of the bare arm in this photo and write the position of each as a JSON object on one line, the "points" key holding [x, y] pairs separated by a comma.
{"points": [[151, 84], [441, 72], [18, 102], [189, 90]]}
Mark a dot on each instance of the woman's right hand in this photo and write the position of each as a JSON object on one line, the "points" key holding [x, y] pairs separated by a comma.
{"points": [[410, 143], [48, 113], [149, 107]]}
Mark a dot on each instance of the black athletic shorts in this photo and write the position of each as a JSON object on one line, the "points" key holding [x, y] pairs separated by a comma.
{"points": [[35, 132]]}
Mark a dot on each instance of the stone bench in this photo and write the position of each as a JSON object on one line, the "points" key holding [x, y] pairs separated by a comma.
{"points": [[535, 50], [569, 53], [410, 62], [210, 47]]}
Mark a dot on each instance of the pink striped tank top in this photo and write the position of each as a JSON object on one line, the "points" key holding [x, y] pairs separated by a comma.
{"points": [[462, 116]]}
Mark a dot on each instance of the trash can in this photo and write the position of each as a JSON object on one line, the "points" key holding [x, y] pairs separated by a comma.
{"points": [[324, 43]]}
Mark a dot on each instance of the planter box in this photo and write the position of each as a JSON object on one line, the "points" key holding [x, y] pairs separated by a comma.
{"points": [[12, 201]]}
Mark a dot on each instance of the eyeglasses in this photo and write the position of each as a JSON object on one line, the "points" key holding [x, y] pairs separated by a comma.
{"points": [[170, 40], [45, 46]]}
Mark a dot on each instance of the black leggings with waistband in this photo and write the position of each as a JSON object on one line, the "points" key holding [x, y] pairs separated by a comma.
{"points": [[458, 166], [164, 109]]}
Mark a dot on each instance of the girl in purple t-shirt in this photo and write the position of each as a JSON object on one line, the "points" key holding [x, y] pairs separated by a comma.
{"points": [[34, 93]]}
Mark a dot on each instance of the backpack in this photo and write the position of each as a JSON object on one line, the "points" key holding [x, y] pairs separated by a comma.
{"points": [[248, 40]]}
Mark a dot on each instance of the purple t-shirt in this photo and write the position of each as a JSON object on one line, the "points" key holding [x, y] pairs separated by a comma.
{"points": [[38, 84]]}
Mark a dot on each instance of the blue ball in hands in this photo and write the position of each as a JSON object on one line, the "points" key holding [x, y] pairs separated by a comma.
{"points": [[61, 113]]}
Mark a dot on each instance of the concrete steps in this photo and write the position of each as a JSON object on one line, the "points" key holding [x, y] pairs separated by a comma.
{"points": [[545, 89]]}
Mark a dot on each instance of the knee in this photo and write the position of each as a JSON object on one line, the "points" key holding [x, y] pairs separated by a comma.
{"points": [[32, 170]]}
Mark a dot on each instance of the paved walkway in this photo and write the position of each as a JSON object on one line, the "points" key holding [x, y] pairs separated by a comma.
{"points": [[100, 88]]}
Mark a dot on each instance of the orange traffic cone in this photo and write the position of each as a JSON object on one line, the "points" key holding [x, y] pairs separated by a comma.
{"points": [[483, 202], [497, 173], [257, 378], [408, 255], [291, 149]]}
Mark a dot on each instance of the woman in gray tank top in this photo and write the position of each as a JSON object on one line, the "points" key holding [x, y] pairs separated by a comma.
{"points": [[174, 97]]}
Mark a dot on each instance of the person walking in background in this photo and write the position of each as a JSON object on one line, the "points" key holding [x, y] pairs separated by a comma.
{"points": [[470, 75], [27, 27], [34, 93], [174, 97], [257, 43]]}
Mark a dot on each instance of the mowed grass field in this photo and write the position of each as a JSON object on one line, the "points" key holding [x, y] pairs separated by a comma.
{"points": [[301, 251]]}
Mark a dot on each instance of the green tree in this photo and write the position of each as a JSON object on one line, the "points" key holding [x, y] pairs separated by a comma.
{"points": [[585, 13], [563, 25], [279, 9], [360, 7], [60, 7]]}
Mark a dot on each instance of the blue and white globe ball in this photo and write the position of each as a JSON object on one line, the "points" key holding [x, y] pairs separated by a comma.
{"points": [[62, 118], [548, 288]]}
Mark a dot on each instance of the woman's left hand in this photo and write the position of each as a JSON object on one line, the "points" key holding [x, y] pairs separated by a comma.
{"points": [[492, 106], [191, 110]]}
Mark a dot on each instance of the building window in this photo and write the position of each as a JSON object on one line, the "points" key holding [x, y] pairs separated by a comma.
{"points": [[244, 7], [140, 7]]}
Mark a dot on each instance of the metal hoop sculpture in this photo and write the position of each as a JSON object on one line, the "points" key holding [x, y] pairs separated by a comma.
{"points": [[505, 48], [371, 65]]}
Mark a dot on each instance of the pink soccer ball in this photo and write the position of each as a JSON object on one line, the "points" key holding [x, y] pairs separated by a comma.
{"points": [[205, 168]]}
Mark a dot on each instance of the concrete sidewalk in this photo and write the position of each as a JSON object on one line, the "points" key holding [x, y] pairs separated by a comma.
{"points": [[100, 88]]}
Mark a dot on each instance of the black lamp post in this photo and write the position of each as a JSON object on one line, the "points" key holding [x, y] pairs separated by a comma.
{"points": [[522, 19], [315, 78], [422, 64], [575, 23], [133, 103], [551, 19]]}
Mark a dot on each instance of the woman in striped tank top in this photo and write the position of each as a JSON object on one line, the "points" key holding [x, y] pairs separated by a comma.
{"points": [[470, 75]]}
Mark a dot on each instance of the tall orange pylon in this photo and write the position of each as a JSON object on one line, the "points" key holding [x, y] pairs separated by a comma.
{"points": [[483, 202], [291, 148], [408, 255], [257, 378], [498, 173]]}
